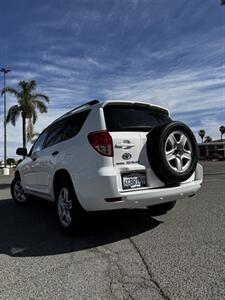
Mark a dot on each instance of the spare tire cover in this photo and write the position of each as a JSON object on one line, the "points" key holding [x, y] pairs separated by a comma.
{"points": [[172, 152]]}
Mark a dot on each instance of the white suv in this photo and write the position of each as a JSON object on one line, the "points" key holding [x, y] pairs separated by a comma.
{"points": [[110, 155]]}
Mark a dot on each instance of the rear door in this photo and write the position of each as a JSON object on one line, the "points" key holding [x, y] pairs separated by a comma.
{"points": [[129, 124]]}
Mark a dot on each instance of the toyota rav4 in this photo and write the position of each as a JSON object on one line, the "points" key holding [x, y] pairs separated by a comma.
{"points": [[110, 155]]}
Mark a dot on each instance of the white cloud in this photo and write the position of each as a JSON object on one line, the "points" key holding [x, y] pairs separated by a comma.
{"points": [[183, 72], [180, 91]]}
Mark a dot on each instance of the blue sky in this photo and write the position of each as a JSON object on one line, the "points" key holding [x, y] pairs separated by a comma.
{"points": [[170, 53]]}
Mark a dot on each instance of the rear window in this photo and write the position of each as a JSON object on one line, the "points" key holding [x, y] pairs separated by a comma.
{"points": [[133, 118]]}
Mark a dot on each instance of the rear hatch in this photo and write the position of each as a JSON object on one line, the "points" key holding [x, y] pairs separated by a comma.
{"points": [[128, 124]]}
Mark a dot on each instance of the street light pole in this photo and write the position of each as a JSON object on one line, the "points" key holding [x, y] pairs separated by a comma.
{"points": [[5, 71]]}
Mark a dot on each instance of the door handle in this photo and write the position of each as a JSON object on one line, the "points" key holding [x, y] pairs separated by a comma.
{"points": [[125, 145], [55, 153]]}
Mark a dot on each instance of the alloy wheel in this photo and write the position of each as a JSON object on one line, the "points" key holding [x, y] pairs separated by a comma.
{"points": [[19, 193], [64, 205], [178, 151]]}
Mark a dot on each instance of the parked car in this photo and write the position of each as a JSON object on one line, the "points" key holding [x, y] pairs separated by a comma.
{"points": [[110, 155]]}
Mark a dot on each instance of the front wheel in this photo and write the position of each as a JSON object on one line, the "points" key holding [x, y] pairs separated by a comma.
{"points": [[69, 210], [161, 209], [17, 192]]}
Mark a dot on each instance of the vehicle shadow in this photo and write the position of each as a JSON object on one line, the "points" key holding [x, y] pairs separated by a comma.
{"points": [[34, 231]]}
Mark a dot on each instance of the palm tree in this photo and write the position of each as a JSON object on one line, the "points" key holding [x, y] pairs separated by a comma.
{"points": [[222, 130], [208, 139], [33, 137], [201, 133], [28, 102]]}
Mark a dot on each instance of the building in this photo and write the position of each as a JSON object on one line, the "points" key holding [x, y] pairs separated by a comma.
{"points": [[212, 150]]}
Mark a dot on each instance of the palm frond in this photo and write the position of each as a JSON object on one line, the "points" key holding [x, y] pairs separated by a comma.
{"points": [[40, 106], [27, 87], [13, 114], [32, 85], [23, 85], [10, 90], [34, 116], [35, 136], [27, 107], [28, 104], [40, 96]]}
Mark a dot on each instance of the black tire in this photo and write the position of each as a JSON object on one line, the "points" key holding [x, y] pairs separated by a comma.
{"points": [[18, 194], [179, 168], [72, 209], [161, 209]]}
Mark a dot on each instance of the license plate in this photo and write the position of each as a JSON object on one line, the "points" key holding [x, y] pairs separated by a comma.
{"points": [[134, 180]]}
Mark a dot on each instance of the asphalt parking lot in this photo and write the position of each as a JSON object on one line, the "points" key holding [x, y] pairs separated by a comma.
{"points": [[122, 254]]}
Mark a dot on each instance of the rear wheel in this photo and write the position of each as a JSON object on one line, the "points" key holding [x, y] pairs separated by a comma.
{"points": [[69, 210], [17, 192], [161, 209]]}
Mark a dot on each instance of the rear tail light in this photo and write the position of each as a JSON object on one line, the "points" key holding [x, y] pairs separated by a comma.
{"points": [[101, 141]]}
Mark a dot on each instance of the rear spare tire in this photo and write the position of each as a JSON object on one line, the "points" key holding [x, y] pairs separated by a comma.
{"points": [[172, 152]]}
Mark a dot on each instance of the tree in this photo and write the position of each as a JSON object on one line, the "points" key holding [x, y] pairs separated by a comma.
{"points": [[11, 161], [222, 130], [201, 133], [208, 139], [34, 136], [28, 103], [222, 2]]}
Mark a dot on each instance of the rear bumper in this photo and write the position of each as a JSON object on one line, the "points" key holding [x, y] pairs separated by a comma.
{"points": [[144, 198], [157, 196], [105, 186]]}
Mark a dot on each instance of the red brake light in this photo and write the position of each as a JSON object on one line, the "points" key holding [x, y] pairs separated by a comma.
{"points": [[101, 141]]}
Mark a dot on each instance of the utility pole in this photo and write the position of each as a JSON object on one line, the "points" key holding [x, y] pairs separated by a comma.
{"points": [[5, 169]]}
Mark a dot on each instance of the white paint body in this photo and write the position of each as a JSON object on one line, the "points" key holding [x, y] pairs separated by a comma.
{"points": [[96, 177]]}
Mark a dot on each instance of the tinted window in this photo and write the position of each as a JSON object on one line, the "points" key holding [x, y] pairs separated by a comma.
{"points": [[66, 128], [55, 134], [38, 145], [133, 118], [73, 124]]}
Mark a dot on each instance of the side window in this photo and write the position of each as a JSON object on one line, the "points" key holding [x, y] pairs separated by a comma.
{"points": [[66, 128], [55, 134], [73, 124], [38, 145]]}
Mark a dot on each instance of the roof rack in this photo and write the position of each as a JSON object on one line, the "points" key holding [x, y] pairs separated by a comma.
{"points": [[87, 104]]}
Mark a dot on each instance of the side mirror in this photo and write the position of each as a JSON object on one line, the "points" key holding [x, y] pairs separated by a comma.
{"points": [[21, 151]]}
